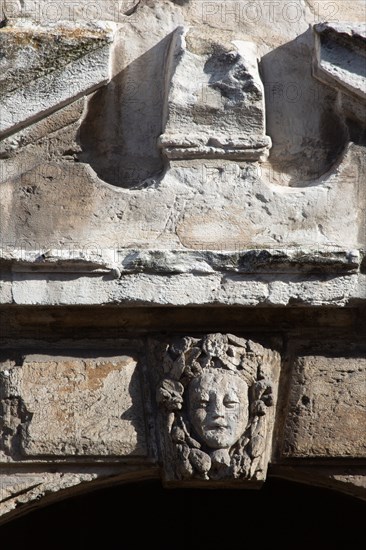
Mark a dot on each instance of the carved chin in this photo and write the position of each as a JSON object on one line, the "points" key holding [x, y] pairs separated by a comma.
{"points": [[219, 439]]}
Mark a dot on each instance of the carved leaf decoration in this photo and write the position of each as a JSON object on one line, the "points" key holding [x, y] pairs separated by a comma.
{"points": [[196, 368], [226, 363], [170, 394], [214, 345], [192, 442], [181, 346], [185, 359], [235, 356], [263, 397], [237, 341], [221, 464], [167, 363], [255, 349], [184, 467], [178, 435], [241, 465], [259, 408], [193, 354], [256, 445], [178, 367], [268, 399], [260, 388], [192, 367], [221, 456], [201, 462]]}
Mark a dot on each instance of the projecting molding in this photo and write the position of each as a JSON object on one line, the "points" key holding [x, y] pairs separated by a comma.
{"points": [[44, 68]]}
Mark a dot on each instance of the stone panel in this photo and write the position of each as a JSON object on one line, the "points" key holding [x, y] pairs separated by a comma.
{"points": [[68, 406], [327, 408]]}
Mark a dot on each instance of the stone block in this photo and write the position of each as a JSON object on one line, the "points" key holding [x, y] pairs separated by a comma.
{"points": [[339, 61], [327, 408], [215, 100], [70, 406], [43, 68]]}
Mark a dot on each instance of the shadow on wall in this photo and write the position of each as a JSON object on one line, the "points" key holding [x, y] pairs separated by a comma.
{"points": [[119, 134], [309, 134], [144, 515]]}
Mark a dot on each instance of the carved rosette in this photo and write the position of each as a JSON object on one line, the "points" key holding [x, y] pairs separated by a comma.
{"points": [[216, 398]]}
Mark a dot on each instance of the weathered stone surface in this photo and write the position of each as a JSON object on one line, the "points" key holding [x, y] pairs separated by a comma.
{"points": [[66, 406], [338, 10], [215, 205], [190, 233], [217, 398], [29, 489], [172, 262], [252, 277], [53, 137], [327, 408], [44, 68], [201, 207], [184, 290], [181, 289], [49, 138], [348, 480], [215, 100], [339, 62], [13, 485], [340, 52], [80, 11]]}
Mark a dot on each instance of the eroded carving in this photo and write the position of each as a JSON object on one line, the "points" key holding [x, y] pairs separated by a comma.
{"points": [[217, 398], [215, 101]]}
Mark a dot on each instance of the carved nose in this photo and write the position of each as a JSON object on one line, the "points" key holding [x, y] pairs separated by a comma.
{"points": [[218, 410]]}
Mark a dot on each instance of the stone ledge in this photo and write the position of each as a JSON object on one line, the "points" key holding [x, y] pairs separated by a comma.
{"points": [[45, 68], [174, 262], [183, 278], [186, 289], [339, 59]]}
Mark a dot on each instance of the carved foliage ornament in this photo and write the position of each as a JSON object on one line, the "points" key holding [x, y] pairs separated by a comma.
{"points": [[217, 399]]}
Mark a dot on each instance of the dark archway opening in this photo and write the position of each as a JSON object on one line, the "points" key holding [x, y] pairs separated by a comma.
{"points": [[144, 515]]}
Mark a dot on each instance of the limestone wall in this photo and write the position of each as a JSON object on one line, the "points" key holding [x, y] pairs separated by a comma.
{"points": [[182, 188]]}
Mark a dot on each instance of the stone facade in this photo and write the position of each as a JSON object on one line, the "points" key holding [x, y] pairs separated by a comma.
{"points": [[183, 235]]}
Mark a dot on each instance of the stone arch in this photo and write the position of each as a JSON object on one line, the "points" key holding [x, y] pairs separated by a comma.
{"points": [[168, 518]]}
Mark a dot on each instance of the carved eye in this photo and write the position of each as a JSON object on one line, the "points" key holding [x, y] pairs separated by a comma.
{"points": [[203, 403], [230, 403]]}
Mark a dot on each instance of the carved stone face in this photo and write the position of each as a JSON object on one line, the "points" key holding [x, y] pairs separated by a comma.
{"points": [[218, 407]]}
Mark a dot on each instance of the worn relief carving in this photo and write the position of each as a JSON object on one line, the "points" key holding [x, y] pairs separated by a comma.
{"points": [[217, 400], [214, 100]]}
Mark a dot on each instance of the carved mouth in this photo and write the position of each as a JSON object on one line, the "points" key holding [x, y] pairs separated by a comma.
{"points": [[218, 427]]}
